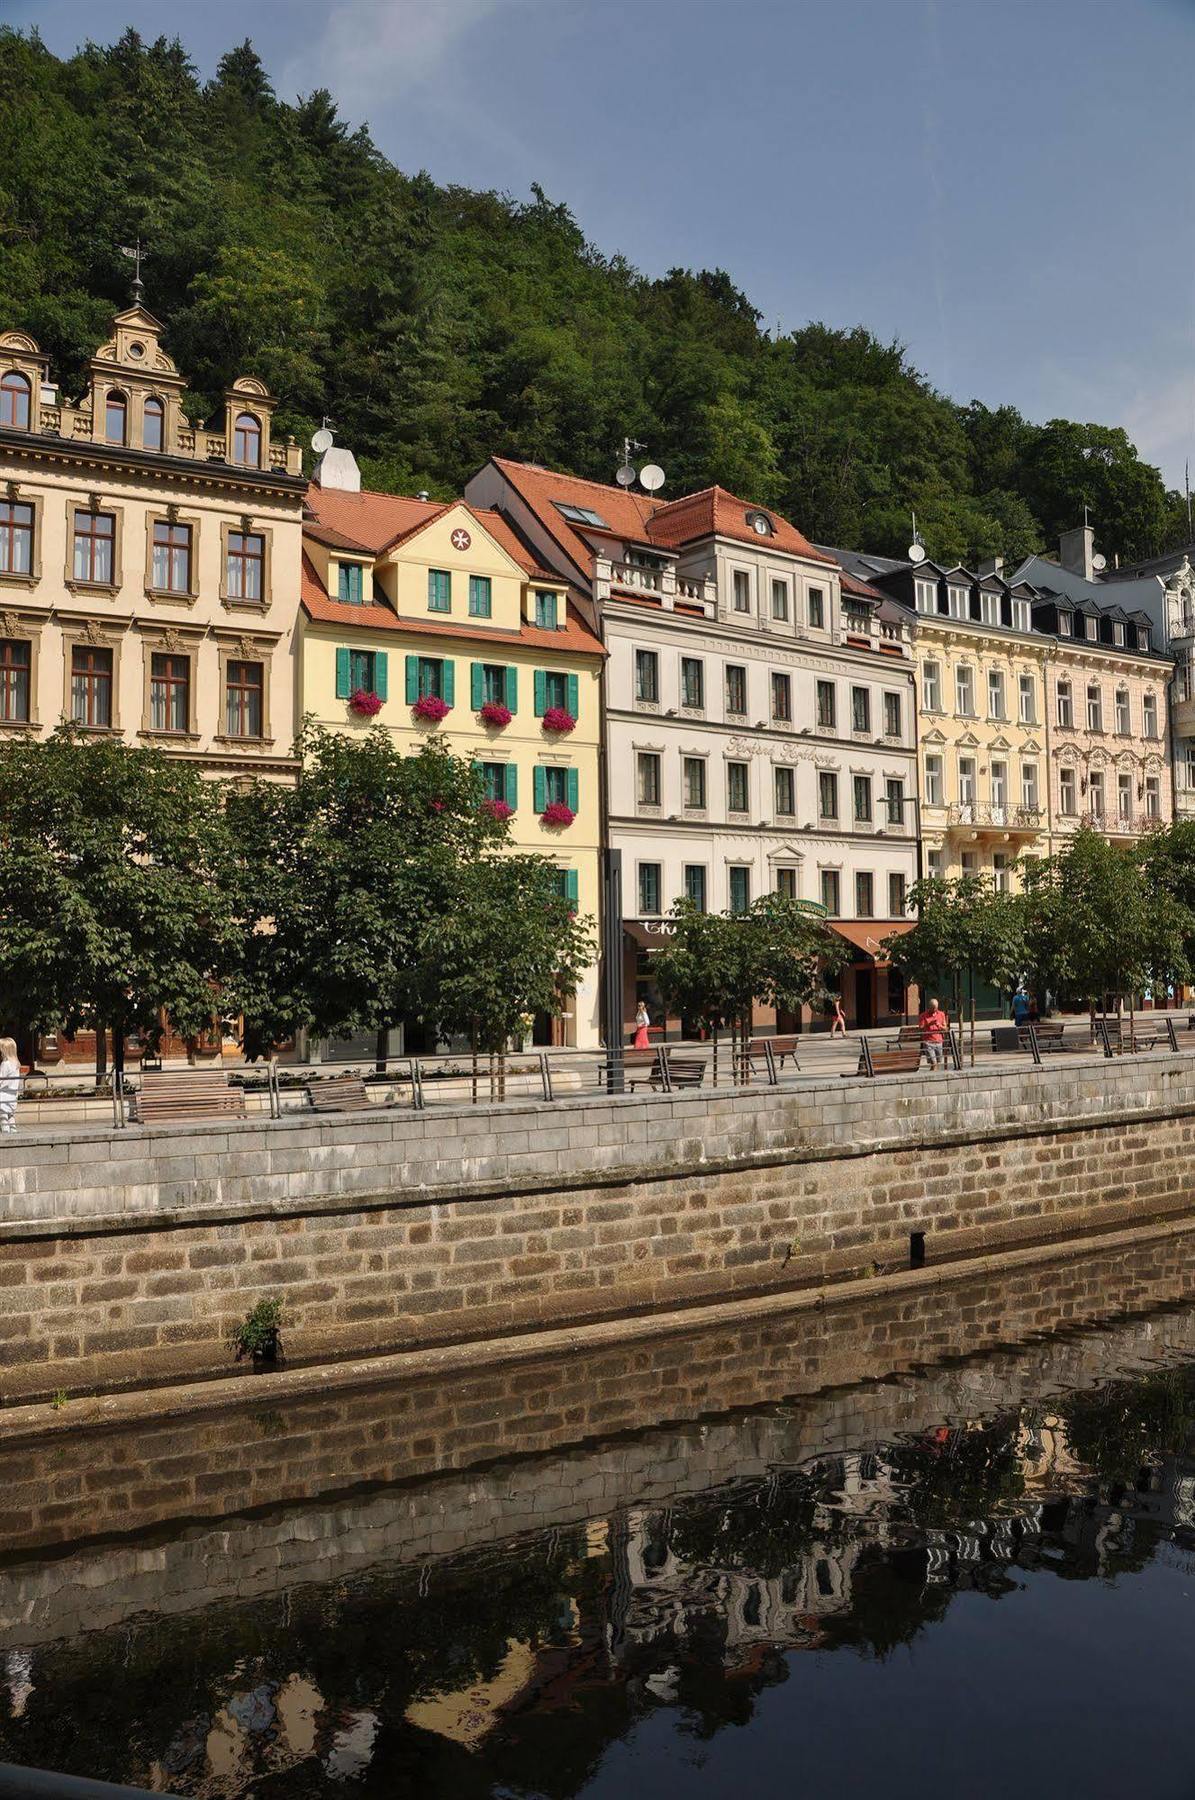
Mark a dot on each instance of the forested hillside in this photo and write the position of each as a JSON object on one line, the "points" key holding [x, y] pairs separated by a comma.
{"points": [[435, 325]]}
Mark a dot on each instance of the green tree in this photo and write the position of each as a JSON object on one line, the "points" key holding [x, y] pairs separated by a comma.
{"points": [[112, 908], [966, 930], [334, 882]]}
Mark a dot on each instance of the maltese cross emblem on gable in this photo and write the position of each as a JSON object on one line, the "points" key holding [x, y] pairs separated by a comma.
{"points": [[461, 539]]}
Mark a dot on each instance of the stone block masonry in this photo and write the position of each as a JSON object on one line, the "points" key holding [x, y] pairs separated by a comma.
{"points": [[127, 1256]]}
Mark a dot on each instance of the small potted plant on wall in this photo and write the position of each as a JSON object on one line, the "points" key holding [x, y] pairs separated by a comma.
{"points": [[259, 1334]]}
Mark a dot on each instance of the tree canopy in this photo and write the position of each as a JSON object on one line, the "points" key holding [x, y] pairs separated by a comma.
{"points": [[436, 325]]}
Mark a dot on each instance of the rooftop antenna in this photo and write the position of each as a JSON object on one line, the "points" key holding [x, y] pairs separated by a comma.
{"points": [[651, 476], [627, 474], [916, 550], [135, 253], [322, 439]]}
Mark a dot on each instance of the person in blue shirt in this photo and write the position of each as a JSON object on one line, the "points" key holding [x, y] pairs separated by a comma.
{"points": [[1021, 1007]]}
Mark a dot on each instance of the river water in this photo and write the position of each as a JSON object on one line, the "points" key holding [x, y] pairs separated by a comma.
{"points": [[940, 1545]]}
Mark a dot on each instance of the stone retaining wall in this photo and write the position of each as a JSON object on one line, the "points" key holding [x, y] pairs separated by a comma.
{"points": [[127, 1256], [552, 1443]]}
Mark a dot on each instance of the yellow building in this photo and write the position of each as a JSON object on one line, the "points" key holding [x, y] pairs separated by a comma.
{"points": [[413, 608], [982, 733], [149, 566]]}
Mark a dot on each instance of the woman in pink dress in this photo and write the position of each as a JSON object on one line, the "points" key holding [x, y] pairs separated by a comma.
{"points": [[642, 1021]]}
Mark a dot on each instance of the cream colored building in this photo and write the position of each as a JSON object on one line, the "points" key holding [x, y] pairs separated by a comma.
{"points": [[407, 600], [149, 567]]}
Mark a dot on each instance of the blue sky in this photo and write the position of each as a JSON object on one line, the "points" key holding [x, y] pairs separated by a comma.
{"points": [[1005, 185]]}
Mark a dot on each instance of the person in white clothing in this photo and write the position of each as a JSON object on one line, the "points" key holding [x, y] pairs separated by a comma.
{"points": [[10, 1083]]}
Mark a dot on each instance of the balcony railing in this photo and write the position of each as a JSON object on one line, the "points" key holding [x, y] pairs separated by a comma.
{"points": [[996, 818]]}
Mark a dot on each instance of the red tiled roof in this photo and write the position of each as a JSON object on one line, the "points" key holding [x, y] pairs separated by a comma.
{"points": [[376, 522], [638, 518], [862, 589], [575, 638], [715, 512]]}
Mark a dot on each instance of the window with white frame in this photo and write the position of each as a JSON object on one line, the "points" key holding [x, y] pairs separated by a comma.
{"points": [[741, 581], [692, 683], [693, 780], [892, 715], [966, 780], [926, 596], [964, 690], [931, 687], [1065, 705], [1021, 618], [1028, 699], [860, 709], [1064, 624], [1122, 711], [933, 780], [998, 775], [647, 765], [959, 602], [1124, 797], [786, 792], [935, 864], [1117, 632], [995, 694], [896, 896], [1095, 794], [1067, 803], [1153, 797], [1000, 876], [989, 608], [1149, 715], [779, 599], [1095, 707], [1029, 786]]}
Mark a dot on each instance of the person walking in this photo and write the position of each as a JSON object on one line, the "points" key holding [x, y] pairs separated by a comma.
{"points": [[642, 1021], [838, 1028], [1021, 1008], [10, 1083], [933, 1032]]}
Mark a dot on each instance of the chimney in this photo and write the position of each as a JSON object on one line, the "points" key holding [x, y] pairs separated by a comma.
{"points": [[1076, 551], [336, 467], [993, 566]]}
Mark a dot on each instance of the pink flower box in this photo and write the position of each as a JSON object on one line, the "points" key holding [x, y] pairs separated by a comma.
{"points": [[557, 813], [365, 704], [494, 713], [560, 720], [498, 809], [431, 707]]}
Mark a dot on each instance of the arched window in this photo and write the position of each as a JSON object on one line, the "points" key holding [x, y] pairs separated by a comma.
{"points": [[153, 429], [15, 392], [116, 419], [247, 440]]}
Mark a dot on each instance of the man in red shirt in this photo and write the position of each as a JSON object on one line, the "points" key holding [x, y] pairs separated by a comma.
{"points": [[932, 1021]]}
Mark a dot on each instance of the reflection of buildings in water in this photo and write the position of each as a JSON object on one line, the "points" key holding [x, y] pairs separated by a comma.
{"points": [[1044, 1458], [266, 1730]]}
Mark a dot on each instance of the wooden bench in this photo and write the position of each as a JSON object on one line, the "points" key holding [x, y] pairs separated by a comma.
{"points": [[646, 1068], [185, 1097], [1123, 1039], [907, 1038], [339, 1093], [772, 1053], [887, 1062]]}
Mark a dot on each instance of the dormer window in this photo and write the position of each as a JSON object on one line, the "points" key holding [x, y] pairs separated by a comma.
{"points": [[351, 588], [15, 396], [153, 425], [958, 602], [927, 596], [1118, 634], [760, 524], [1020, 615], [547, 608], [1064, 624], [246, 441], [116, 419]]}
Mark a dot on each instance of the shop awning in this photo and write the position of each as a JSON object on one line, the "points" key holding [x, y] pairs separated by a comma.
{"points": [[646, 936], [868, 939]]}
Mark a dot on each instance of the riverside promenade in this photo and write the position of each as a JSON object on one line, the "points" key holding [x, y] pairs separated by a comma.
{"points": [[127, 1256]]}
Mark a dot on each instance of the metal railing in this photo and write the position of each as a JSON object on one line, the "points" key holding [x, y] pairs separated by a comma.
{"points": [[425, 1082]]}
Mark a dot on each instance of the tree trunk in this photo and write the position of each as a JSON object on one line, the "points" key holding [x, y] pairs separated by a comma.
{"points": [[117, 1051], [381, 1046], [101, 1054]]}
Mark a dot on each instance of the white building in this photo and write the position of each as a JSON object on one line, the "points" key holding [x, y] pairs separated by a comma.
{"points": [[760, 728]]}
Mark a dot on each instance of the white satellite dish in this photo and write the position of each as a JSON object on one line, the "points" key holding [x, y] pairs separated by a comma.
{"points": [[626, 475], [652, 477], [1099, 562], [322, 441], [916, 552]]}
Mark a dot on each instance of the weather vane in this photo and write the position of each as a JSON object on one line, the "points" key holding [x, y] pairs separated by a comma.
{"points": [[135, 252]]}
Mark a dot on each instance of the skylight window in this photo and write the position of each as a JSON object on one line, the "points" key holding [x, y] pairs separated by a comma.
{"points": [[581, 515]]}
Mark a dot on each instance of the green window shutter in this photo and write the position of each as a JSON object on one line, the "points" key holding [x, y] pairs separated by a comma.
{"points": [[412, 680], [449, 695], [541, 784], [512, 785], [477, 686], [343, 678], [570, 887], [573, 790], [541, 696], [573, 695], [512, 689], [381, 674]]}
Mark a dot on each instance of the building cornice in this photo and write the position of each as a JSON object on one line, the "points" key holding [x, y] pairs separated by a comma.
{"points": [[41, 447]]}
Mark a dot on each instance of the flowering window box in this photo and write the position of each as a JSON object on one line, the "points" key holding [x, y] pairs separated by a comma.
{"points": [[557, 813], [494, 713], [498, 809], [559, 720], [365, 704], [431, 708]]}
